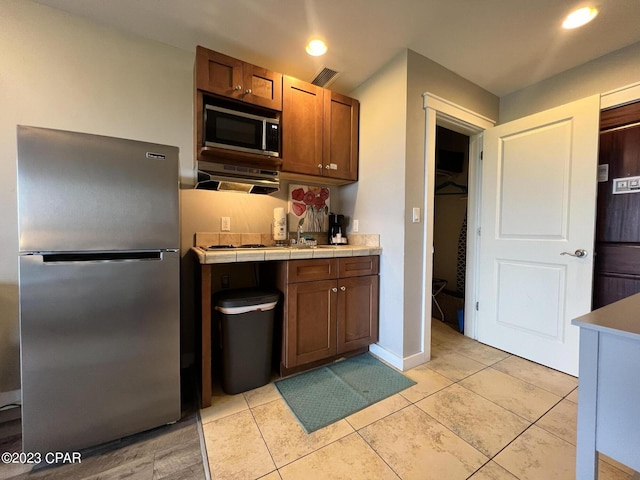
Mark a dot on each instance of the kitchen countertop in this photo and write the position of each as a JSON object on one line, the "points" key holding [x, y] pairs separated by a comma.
{"points": [[360, 245], [619, 318], [609, 385], [233, 255]]}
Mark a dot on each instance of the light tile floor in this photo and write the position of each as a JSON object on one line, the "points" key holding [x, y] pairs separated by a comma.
{"points": [[475, 413]]}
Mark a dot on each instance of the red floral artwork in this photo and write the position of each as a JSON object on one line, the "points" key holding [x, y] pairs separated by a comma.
{"points": [[309, 208], [298, 194], [298, 208], [309, 198]]}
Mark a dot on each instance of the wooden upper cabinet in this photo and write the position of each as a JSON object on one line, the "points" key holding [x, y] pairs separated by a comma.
{"points": [[319, 131], [262, 87], [302, 123], [340, 149], [218, 73], [319, 127], [229, 77]]}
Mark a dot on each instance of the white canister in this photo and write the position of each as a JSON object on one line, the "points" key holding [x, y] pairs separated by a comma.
{"points": [[279, 224]]}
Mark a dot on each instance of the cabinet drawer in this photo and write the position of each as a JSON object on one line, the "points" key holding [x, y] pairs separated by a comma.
{"points": [[311, 270], [358, 266]]}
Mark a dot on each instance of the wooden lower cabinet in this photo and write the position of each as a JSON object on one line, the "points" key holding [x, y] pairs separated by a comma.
{"points": [[310, 324], [330, 307], [357, 312]]}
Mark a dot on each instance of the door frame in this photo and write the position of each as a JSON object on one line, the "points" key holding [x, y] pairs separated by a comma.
{"points": [[620, 96], [441, 112]]}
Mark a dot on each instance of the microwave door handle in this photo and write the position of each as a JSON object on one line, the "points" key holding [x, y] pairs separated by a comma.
{"points": [[264, 135]]}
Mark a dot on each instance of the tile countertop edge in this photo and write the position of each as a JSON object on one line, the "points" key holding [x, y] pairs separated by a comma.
{"points": [[276, 253]]}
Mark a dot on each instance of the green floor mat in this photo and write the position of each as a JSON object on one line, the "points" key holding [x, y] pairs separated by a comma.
{"points": [[327, 394]]}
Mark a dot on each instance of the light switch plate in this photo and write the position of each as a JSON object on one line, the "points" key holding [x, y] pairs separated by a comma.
{"points": [[416, 214], [626, 185], [225, 224]]}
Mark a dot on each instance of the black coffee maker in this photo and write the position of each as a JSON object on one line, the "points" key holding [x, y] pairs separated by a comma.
{"points": [[336, 229]]}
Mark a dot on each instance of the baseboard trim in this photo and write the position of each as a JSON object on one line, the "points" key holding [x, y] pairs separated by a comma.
{"points": [[415, 360], [394, 360]]}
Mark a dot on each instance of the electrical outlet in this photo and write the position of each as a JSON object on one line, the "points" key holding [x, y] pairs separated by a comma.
{"points": [[356, 226], [225, 224]]}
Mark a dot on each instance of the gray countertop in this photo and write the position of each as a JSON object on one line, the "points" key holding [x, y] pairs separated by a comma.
{"points": [[622, 317]]}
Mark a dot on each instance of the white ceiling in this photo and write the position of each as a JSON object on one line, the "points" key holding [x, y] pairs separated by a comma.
{"points": [[501, 45]]}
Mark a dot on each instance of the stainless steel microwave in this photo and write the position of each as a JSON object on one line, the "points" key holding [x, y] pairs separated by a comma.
{"points": [[241, 131]]}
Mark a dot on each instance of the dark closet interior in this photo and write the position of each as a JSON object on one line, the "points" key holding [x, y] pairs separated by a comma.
{"points": [[450, 226]]}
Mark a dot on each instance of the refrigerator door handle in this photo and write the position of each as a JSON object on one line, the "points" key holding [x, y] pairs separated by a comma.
{"points": [[101, 257]]}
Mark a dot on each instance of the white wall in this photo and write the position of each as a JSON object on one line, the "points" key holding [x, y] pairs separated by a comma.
{"points": [[425, 75], [377, 200], [60, 71], [610, 72], [392, 182]]}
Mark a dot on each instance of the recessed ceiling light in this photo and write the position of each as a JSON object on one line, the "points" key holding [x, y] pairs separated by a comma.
{"points": [[316, 48], [580, 17]]}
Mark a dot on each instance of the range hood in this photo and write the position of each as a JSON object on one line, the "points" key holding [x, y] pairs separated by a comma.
{"points": [[234, 178]]}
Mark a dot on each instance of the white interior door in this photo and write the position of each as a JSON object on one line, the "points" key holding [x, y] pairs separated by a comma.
{"points": [[538, 201]]}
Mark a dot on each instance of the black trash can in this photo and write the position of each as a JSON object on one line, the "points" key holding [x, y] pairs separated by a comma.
{"points": [[245, 320]]}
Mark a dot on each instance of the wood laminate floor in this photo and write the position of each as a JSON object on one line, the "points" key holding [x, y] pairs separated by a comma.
{"points": [[171, 452]]}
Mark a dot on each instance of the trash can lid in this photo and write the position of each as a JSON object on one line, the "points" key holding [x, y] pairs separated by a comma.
{"points": [[244, 297]]}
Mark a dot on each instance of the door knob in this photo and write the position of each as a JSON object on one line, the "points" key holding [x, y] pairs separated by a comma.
{"points": [[579, 253]]}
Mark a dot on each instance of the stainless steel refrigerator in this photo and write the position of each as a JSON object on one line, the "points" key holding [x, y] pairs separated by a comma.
{"points": [[99, 287]]}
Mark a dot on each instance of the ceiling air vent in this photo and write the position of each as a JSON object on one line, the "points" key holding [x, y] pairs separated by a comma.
{"points": [[325, 77]]}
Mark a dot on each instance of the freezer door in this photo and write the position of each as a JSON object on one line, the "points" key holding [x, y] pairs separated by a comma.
{"points": [[88, 192], [99, 348]]}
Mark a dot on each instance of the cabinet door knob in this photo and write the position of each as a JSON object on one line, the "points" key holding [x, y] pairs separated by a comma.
{"points": [[248, 90], [327, 167], [343, 288], [319, 165], [238, 87], [334, 289]]}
